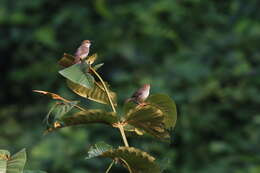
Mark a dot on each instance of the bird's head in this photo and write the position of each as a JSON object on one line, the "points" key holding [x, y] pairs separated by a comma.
{"points": [[146, 86], [86, 43]]}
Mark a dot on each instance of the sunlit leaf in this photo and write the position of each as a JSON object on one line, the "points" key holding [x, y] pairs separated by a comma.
{"points": [[91, 59], [167, 106], [12, 164], [149, 119], [86, 117], [138, 161], [52, 95], [98, 149], [129, 129], [67, 60], [97, 93], [78, 76]]}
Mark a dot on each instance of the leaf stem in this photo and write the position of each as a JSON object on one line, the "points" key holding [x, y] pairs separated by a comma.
{"points": [[120, 126], [77, 106], [127, 165], [104, 85], [110, 166], [123, 134]]}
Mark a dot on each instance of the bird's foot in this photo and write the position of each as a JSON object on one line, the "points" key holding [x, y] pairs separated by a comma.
{"points": [[142, 104]]}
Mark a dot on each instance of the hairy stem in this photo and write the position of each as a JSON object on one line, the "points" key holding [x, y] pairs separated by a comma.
{"points": [[123, 135], [128, 167], [105, 87], [110, 166], [112, 106], [77, 106]]}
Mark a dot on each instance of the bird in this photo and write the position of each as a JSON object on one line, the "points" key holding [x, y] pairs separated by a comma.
{"points": [[82, 51], [140, 95]]}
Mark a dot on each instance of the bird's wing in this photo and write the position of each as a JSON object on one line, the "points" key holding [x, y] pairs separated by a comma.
{"points": [[137, 93]]}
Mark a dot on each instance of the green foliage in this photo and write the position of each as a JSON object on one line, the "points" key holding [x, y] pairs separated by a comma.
{"points": [[204, 54], [84, 118], [78, 74], [98, 149], [167, 106], [14, 163], [96, 93], [153, 117], [133, 159], [149, 119]]}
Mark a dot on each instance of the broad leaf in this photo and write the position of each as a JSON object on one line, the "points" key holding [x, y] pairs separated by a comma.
{"points": [[98, 149], [167, 106], [67, 60], [13, 164], [86, 117], [149, 119], [76, 74], [97, 93], [134, 159]]}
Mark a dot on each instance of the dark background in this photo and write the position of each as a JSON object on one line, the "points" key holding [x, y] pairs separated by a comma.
{"points": [[204, 54]]}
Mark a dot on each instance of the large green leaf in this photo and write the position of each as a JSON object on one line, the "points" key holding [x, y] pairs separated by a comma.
{"points": [[13, 164], [86, 117], [167, 106], [134, 159], [98, 149], [96, 93], [77, 73], [148, 118]]}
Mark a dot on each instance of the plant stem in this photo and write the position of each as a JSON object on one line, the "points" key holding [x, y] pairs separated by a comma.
{"points": [[123, 135], [110, 166], [127, 165], [77, 106], [104, 85], [112, 106]]}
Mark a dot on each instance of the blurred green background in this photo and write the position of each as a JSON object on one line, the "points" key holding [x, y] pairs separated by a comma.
{"points": [[204, 54]]}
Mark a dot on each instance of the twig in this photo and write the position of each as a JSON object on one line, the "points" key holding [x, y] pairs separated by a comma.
{"points": [[110, 166], [123, 134], [112, 106], [127, 165]]}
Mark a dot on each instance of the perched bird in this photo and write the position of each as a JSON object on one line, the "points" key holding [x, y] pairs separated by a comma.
{"points": [[140, 95], [82, 51]]}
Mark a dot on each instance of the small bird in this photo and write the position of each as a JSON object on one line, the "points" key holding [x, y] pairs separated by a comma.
{"points": [[82, 51], [140, 95]]}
